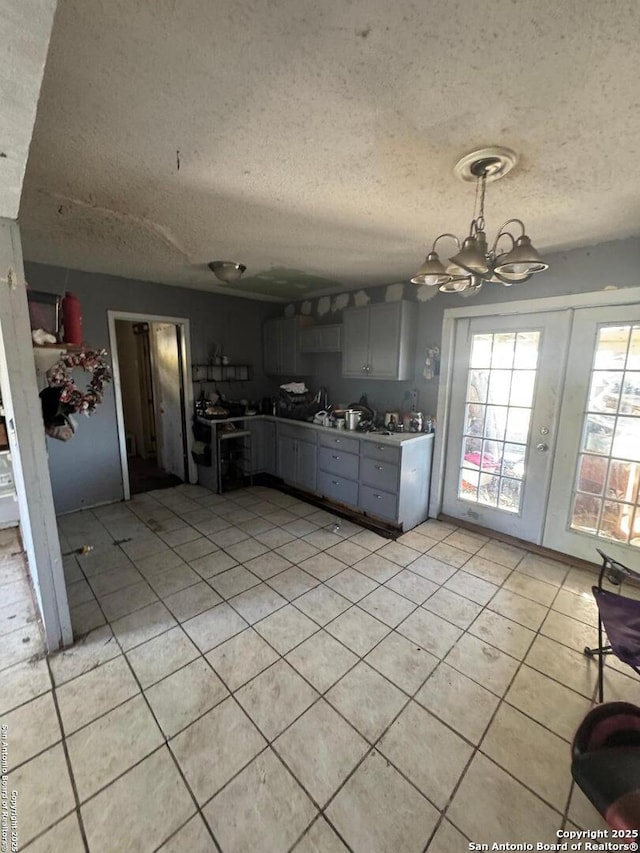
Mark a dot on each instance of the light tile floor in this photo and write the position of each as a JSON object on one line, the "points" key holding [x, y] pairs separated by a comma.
{"points": [[251, 677]]}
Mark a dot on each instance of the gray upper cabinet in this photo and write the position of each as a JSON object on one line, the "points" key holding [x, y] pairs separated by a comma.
{"points": [[282, 355], [379, 341], [355, 346], [326, 338]]}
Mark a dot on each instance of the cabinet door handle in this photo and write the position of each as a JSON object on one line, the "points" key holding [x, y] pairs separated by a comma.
{"points": [[378, 467], [337, 440], [335, 482], [377, 496], [381, 447], [334, 456]]}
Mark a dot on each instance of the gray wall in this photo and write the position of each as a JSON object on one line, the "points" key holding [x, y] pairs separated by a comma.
{"points": [[86, 470], [592, 268]]}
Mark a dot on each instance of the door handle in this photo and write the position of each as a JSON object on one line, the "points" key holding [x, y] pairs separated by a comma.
{"points": [[333, 456], [378, 467], [542, 447]]}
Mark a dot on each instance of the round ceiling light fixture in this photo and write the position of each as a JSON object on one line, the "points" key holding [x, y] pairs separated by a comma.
{"points": [[227, 271]]}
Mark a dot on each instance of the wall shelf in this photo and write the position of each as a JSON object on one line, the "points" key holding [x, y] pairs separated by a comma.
{"points": [[221, 372], [62, 347]]}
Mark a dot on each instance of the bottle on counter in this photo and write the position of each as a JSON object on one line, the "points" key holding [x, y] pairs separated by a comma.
{"points": [[417, 422]]}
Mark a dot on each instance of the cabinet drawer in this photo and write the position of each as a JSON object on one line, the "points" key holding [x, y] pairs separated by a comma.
{"points": [[337, 462], [378, 502], [383, 452], [338, 488], [382, 475], [340, 441], [298, 432]]}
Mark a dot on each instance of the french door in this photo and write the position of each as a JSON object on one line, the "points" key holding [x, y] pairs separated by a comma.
{"points": [[544, 428], [504, 411], [594, 487]]}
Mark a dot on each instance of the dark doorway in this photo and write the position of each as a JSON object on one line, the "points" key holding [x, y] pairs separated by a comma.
{"points": [[149, 356]]}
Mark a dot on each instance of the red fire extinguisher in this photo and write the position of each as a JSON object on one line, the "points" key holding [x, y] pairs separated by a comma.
{"points": [[72, 319]]}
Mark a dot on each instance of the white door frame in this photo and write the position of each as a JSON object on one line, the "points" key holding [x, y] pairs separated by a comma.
{"points": [[30, 462], [184, 323], [623, 296]]}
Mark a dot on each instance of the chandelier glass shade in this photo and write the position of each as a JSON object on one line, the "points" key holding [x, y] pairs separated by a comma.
{"points": [[475, 262]]}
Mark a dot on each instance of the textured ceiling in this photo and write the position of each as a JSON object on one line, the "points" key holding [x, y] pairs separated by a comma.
{"points": [[314, 141], [25, 28]]}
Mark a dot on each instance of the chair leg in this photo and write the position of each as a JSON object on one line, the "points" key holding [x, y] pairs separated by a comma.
{"points": [[600, 663], [600, 651]]}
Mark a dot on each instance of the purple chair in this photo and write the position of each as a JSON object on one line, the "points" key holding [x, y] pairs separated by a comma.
{"points": [[620, 617]]}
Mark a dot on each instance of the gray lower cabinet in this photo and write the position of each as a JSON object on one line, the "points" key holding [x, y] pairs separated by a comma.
{"points": [[338, 467], [379, 503], [287, 459], [263, 446], [338, 488], [385, 480], [307, 465], [379, 341], [270, 446], [395, 480], [297, 456]]}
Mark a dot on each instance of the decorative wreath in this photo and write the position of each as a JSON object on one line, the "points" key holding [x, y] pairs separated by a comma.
{"points": [[94, 362]]}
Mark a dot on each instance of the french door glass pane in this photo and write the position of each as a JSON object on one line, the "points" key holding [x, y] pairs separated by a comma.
{"points": [[605, 502], [500, 390]]}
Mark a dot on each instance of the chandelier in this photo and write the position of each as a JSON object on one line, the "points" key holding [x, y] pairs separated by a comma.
{"points": [[476, 263]]}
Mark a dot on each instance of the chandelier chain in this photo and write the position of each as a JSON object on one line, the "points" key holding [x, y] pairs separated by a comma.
{"points": [[483, 188]]}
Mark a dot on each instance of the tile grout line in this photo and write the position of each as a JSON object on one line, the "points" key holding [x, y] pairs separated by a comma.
{"points": [[74, 787]]}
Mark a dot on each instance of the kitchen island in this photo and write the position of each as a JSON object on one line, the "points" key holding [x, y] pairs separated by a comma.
{"points": [[384, 477]]}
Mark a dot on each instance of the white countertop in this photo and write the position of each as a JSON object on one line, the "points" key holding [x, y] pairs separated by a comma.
{"points": [[381, 438]]}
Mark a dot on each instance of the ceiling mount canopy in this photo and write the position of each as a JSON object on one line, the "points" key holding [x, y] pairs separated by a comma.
{"points": [[476, 263], [227, 271]]}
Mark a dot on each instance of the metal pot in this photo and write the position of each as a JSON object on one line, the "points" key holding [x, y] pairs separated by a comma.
{"points": [[352, 418]]}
